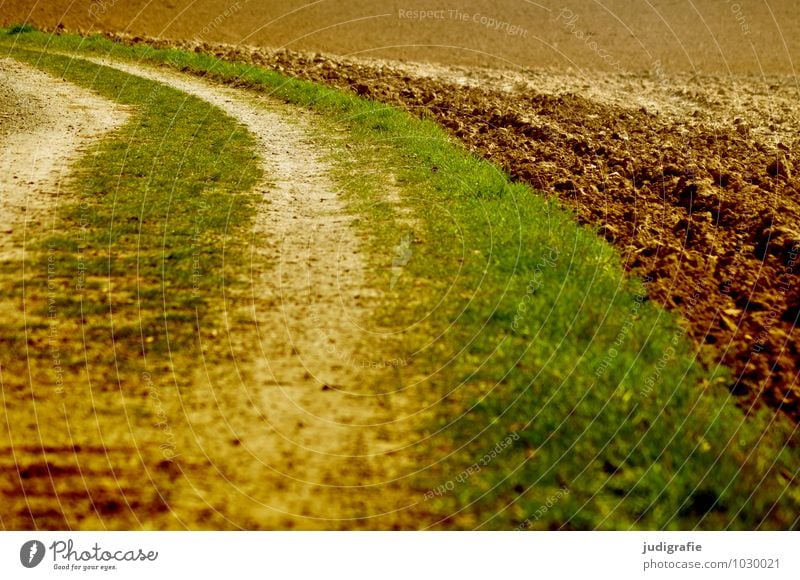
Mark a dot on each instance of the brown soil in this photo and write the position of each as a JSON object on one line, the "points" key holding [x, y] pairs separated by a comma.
{"points": [[709, 36], [693, 178]]}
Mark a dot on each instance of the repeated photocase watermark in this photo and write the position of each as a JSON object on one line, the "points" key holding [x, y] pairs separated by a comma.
{"points": [[670, 352], [540, 512], [622, 334], [83, 239], [536, 281], [786, 284], [354, 361], [196, 247], [653, 378], [741, 19], [214, 24], [473, 469], [567, 18], [458, 15], [570, 21], [402, 256], [99, 8], [168, 446], [347, 356], [662, 80], [53, 338]]}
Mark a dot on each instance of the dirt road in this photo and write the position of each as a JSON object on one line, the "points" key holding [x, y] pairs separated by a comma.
{"points": [[282, 433]]}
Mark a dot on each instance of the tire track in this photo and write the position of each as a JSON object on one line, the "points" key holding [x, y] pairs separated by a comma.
{"points": [[53, 123], [47, 125]]}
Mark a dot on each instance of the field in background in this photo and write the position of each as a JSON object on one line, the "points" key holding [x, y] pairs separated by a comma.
{"points": [[705, 36]]}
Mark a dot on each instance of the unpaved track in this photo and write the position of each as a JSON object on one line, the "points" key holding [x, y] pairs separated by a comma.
{"points": [[290, 438], [276, 428], [52, 123]]}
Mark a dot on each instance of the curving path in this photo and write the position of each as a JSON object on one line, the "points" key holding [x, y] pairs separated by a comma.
{"points": [[290, 440], [279, 433]]}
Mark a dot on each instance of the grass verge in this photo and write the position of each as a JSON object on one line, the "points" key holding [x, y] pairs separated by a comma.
{"points": [[559, 398]]}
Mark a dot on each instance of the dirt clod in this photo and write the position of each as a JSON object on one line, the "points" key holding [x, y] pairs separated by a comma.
{"points": [[779, 168]]}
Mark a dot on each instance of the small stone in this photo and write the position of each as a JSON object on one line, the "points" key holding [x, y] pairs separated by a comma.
{"points": [[697, 195], [792, 312]]}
